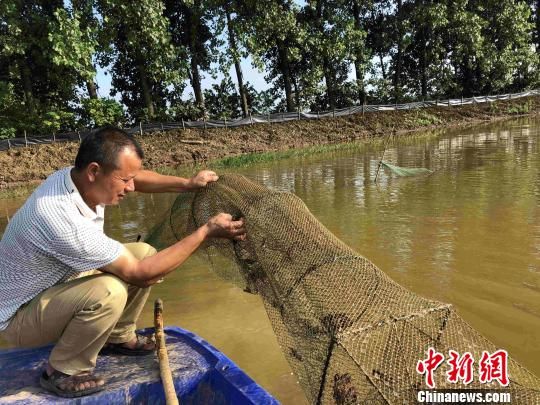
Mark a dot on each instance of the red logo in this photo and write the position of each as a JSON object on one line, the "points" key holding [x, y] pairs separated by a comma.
{"points": [[429, 365], [494, 367], [460, 368]]}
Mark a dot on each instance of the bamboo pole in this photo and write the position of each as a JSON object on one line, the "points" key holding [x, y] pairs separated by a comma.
{"points": [[384, 151], [164, 368]]}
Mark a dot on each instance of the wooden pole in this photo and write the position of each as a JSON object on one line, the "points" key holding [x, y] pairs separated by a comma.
{"points": [[8, 144], [79, 134], [140, 127], [382, 157], [164, 368], [54, 137], [25, 139], [183, 124], [250, 118]]}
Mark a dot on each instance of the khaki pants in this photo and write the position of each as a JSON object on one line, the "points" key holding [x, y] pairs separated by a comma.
{"points": [[81, 316]]}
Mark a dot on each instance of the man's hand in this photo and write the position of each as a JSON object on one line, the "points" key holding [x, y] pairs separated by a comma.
{"points": [[223, 226], [202, 178]]}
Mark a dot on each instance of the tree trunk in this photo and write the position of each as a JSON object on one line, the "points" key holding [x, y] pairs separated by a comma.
{"points": [[329, 73], [423, 63], [329, 85], [92, 89], [196, 83], [146, 92], [237, 67], [538, 26], [195, 75], [27, 85], [286, 73], [359, 63], [399, 56], [383, 70]]}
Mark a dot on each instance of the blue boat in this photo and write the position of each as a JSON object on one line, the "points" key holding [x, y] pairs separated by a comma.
{"points": [[201, 374]]}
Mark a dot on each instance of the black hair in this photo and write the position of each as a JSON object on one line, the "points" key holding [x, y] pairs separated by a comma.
{"points": [[103, 147]]}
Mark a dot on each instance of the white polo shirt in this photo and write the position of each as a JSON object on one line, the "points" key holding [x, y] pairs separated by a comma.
{"points": [[52, 238]]}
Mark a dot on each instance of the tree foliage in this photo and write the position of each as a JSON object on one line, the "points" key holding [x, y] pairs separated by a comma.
{"points": [[316, 54]]}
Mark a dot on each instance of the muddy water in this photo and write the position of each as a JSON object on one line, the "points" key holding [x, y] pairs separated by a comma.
{"points": [[468, 234]]}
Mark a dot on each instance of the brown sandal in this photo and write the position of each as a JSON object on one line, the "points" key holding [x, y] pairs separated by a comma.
{"points": [[66, 386], [138, 350]]}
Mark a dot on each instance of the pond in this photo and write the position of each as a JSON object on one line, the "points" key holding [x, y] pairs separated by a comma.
{"points": [[468, 234]]}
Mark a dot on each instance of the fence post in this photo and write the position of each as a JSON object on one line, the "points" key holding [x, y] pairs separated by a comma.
{"points": [[298, 113], [8, 144], [140, 127], [437, 103], [269, 120], [204, 120], [462, 99], [25, 139], [363, 104], [225, 121], [334, 112], [161, 127], [250, 118], [448, 102], [79, 135], [183, 124], [318, 116]]}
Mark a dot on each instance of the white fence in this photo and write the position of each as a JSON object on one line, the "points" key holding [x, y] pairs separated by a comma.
{"points": [[269, 118]]}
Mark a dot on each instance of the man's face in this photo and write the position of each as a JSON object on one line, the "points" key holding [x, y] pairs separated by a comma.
{"points": [[112, 187]]}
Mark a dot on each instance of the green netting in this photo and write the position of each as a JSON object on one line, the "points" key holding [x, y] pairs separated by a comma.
{"points": [[350, 333], [405, 171]]}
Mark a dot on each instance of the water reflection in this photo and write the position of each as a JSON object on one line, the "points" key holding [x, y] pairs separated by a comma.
{"points": [[468, 234]]}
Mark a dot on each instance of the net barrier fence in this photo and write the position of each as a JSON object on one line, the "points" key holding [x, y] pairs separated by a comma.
{"points": [[261, 118], [350, 333]]}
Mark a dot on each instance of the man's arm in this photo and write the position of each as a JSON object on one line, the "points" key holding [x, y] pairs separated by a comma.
{"points": [[146, 272], [148, 181]]}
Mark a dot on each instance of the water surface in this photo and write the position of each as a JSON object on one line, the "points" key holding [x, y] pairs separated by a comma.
{"points": [[469, 234]]}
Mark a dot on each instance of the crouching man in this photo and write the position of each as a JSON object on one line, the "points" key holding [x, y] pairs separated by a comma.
{"points": [[63, 281]]}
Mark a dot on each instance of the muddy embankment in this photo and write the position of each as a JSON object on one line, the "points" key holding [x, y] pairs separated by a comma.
{"points": [[172, 149]]}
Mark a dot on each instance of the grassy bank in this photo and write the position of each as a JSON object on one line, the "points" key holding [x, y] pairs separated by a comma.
{"points": [[22, 168]]}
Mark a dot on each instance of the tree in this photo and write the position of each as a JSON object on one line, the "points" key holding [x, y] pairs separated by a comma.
{"points": [[143, 58], [190, 27]]}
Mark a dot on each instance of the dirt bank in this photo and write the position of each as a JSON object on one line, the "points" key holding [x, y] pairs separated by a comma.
{"points": [[182, 147]]}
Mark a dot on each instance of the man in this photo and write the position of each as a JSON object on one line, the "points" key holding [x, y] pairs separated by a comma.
{"points": [[56, 238]]}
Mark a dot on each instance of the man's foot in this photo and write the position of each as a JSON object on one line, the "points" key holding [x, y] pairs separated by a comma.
{"points": [[140, 345], [70, 386]]}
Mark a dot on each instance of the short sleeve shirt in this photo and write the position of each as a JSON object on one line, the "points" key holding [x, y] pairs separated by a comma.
{"points": [[52, 238]]}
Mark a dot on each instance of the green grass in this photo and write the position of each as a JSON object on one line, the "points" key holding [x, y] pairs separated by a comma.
{"points": [[24, 190], [253, 158]]}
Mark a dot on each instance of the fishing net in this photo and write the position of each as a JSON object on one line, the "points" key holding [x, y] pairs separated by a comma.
{"points": [[350, 333], [405, 171]]}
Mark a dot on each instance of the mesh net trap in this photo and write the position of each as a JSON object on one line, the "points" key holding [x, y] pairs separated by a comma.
{"points": [[350, 333]]}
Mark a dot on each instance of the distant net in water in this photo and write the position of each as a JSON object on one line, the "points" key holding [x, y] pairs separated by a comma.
{"points": [[350, 333], [405, 171]]}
